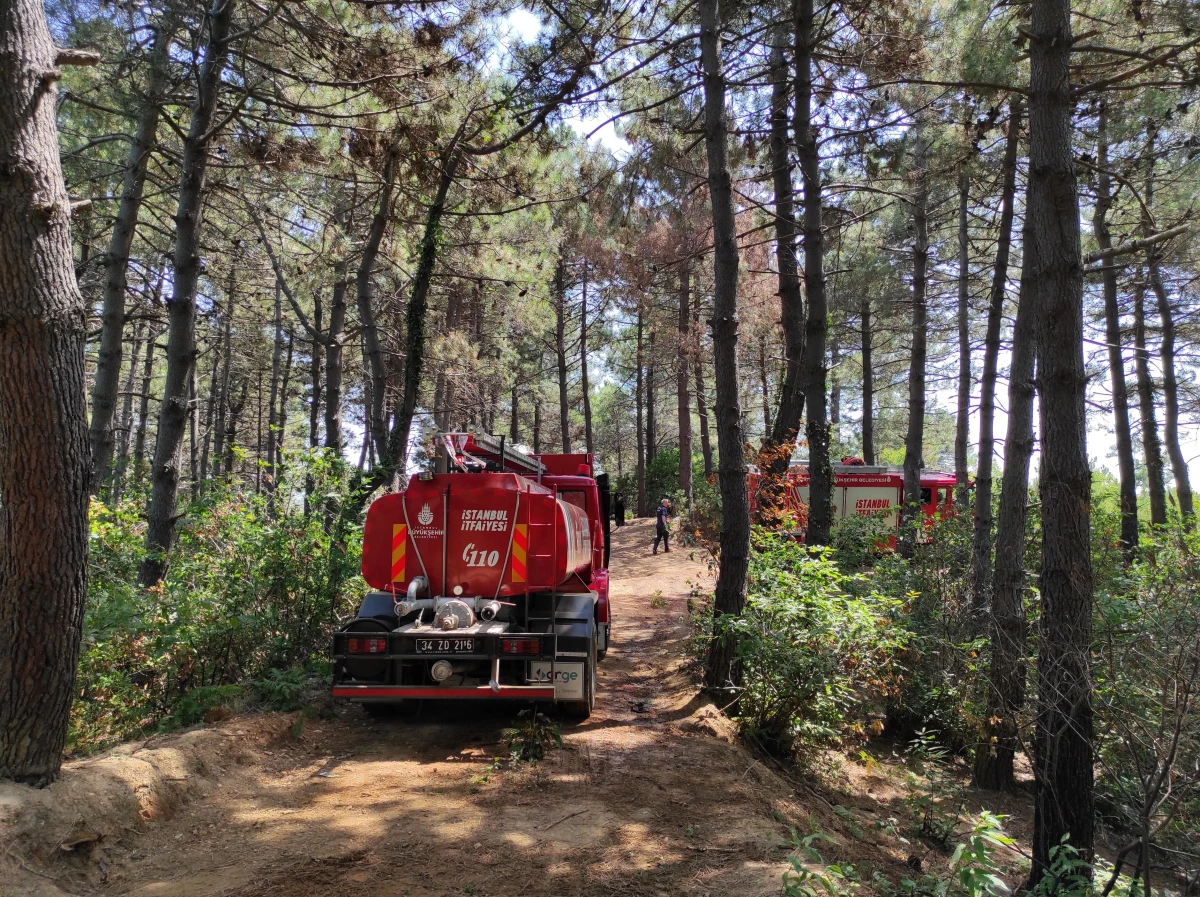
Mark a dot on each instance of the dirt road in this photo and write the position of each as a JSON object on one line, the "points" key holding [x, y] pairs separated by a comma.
{"points": [[649, 797]]}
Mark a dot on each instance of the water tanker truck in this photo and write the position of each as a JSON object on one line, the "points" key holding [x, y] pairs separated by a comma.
{"points": [[489, 580]]}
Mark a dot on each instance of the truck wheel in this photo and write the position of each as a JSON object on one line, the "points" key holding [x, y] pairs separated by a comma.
{"points": [[583, 709]]}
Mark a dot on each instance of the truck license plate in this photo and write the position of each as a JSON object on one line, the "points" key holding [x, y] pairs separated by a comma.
{"points": [[445, 646]]}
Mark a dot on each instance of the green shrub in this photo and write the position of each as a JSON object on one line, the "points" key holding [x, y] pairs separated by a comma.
{"points": [[248, 594], [816, 656]]}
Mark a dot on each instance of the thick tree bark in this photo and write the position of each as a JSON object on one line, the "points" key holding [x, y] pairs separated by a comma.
{"points": [[560, 353], [1063, 799], [914, 439], [364, 285], [537, 424], [868, 383], [44, 463], [777, 450], [588, 436], [1007, 629], [962, 436], [161, 516], [1151, 447], [194, 434], [116, 265], [981, 546], [683, 398], [1112, 329], [730, 596], [639, 392], [820, 510]]}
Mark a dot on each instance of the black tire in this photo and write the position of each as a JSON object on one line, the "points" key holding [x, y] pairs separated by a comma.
{"points": [[581, 710]]}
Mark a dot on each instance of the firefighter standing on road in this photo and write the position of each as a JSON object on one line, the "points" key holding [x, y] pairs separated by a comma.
{"points": [[619, 509], [661, 532]]}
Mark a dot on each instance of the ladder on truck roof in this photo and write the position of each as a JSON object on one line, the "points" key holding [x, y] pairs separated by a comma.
{"points": [[499, 449]]}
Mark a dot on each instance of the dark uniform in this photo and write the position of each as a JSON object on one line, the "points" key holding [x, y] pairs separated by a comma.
{"points": [[661, 533], [619, 509]]}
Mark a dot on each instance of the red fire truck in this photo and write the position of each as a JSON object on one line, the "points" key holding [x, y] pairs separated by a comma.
{"points": [[863, 490], [490, 580]]}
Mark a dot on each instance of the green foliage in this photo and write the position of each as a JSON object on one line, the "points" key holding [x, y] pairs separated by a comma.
{"points": [[192, 707], [803, 880], [817, 649], [249, 598], [974, 860], [530, 737]]}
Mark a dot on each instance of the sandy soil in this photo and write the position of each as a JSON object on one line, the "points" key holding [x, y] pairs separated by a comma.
{"points": [[651, 796]]}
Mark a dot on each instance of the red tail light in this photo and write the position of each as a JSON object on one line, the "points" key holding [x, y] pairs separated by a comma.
{"points": [[366, 646], [532, 646]]}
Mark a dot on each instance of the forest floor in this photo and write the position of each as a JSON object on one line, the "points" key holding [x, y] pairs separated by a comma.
{"points": [[654, 795]]}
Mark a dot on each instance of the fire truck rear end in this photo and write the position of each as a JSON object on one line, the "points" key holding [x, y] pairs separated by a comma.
{"points": [[489, 579]]}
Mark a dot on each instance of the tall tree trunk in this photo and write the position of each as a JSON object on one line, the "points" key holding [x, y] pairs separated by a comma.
{"points": [[316, 374], [161, 516], [706, 443], [514, 423], [418, 305], [139, 440], [236, 406], [820, 471], [334, 346], [651, 399], [116, 264], [764, 386], [639, 392], [730, 593], [194, 434], [276, 373], [835, 386], [1007, 628], [962, 494], [223, 391], [214, 395], [125, 424], [1151, 447], [1183, 485], [560, 352], [868, 383], [791, 301], [279, 435], [1112, 329], [258, 434], [364, 285], [683, 399], [537, 423], [914, 439], [588, 436], [44, 463], [1063, 799], [781, 439], [981, 546]]}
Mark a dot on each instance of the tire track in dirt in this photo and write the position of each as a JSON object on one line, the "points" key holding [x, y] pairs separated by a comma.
{"points": [[651, 796]]}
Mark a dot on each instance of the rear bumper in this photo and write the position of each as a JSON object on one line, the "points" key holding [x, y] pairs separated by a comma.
{"points": [[400, 692]]}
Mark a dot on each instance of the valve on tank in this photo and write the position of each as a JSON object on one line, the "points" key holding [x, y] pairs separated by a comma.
{"points": [[454, 614], [489, 611]]}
